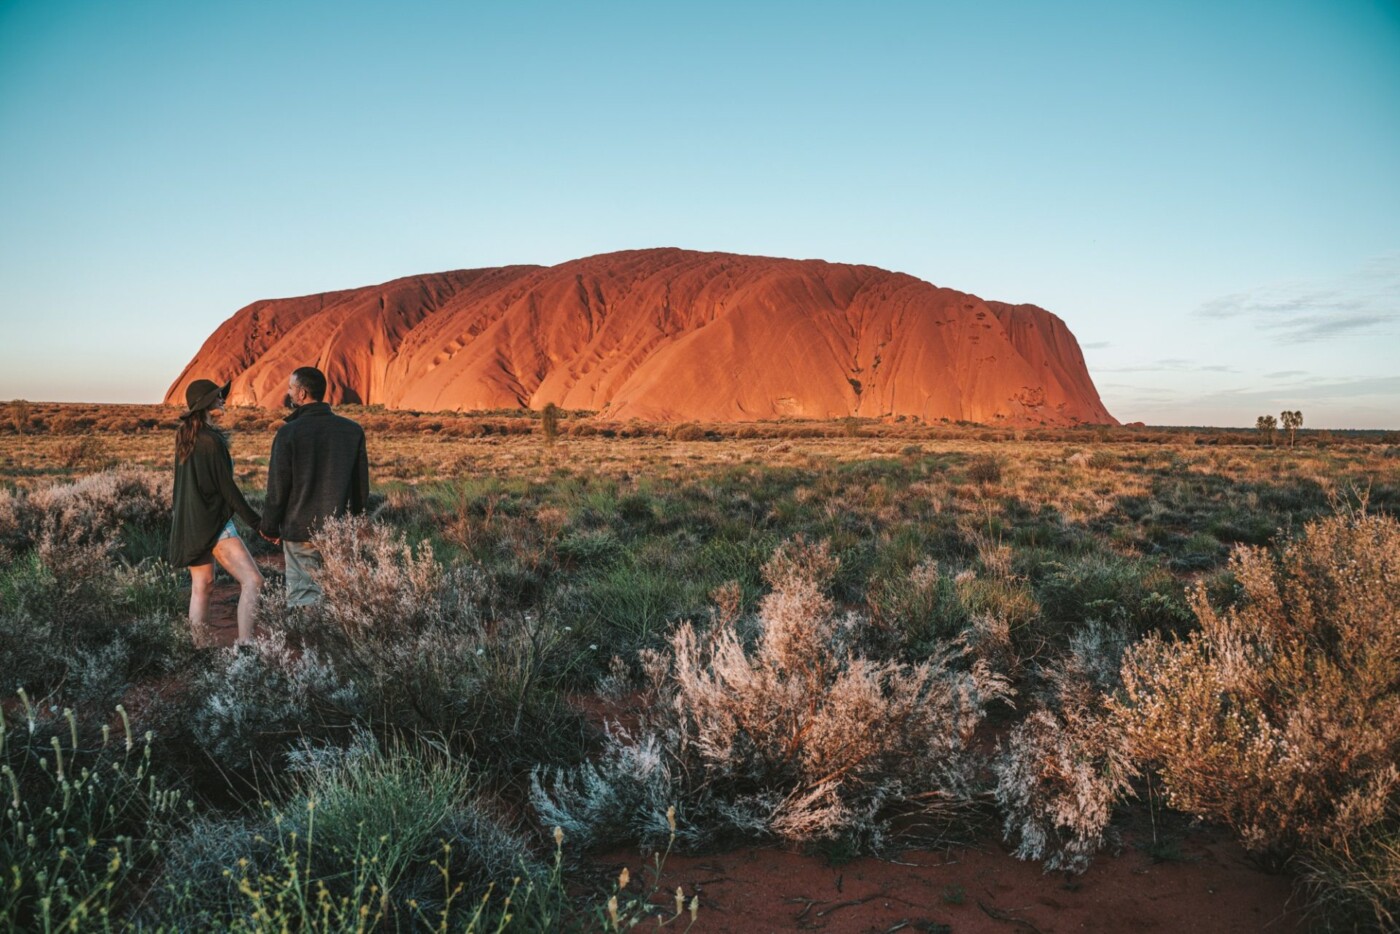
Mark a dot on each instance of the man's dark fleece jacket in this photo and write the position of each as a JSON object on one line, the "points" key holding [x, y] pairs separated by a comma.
{"points": [[318, 469]]}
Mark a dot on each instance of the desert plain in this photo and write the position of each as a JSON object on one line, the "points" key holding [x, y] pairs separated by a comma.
{"points": [[857, 675]]}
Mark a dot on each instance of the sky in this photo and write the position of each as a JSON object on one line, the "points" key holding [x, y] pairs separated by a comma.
{"points": [[1208, 193]]}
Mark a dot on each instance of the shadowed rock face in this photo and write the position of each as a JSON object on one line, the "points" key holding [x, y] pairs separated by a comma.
{"points": [[664, 335]]}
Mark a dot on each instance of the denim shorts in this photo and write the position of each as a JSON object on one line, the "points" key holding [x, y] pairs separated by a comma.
{"points": [[228, 531]]}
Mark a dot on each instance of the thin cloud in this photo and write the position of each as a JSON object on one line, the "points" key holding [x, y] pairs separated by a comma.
{"points": [[1096, 345], [1337, 390], [1365, 302], [1168, 365], [1365, 402], [1285, 374]]}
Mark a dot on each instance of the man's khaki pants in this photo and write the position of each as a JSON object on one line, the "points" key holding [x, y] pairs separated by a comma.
{"points": [[303, 562]]}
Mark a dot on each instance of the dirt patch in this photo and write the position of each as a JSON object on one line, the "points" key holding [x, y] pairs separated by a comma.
{"points": [[1209, 887], [221, 627]]}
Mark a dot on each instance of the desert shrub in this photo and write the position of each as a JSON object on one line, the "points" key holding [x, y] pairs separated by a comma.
{"points": [[549, 423], [75, 619], [84, 821], [365, 839], [375, 582], [587, 548], [1061, 769], [293, 883], [921, 609], [93, 509], [793, 737], [1104, 587], [623, 794], [389, 814], [250, 704], [1281, 716], [984, 470], [1097, 459], [85, 450], [18, 414], [400, 643]]}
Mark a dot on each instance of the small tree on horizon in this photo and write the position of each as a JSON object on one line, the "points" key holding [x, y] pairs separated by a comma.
{"points": [[1292, 421], [1266, 425]]}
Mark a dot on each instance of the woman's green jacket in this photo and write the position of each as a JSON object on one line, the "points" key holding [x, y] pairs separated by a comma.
{"points": [[205, 498]]}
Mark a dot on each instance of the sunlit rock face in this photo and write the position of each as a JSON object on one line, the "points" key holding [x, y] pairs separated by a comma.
{"points": [[664, 335]]}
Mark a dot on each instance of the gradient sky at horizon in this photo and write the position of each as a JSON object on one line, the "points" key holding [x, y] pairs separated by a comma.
{"points": [[1207, 193]]}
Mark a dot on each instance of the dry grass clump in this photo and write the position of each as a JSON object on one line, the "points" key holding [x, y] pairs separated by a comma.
{"points": [[1281, 715], [789, 734], [1355, 881], [985, 470]]}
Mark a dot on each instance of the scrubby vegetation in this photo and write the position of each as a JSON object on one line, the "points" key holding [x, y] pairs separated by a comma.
{"points": [[785, 733], [851, 638]]}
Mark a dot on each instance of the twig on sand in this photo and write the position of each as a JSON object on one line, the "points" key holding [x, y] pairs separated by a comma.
{"points": [[806, 904], [849, 904], [1006, 916]]}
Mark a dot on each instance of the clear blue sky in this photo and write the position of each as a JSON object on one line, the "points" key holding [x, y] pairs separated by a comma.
{"points": [[1208, 193]]}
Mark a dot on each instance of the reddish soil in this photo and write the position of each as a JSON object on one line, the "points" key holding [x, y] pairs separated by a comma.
{"points": [[1209, 887], [221, 628], [1206, 883]]}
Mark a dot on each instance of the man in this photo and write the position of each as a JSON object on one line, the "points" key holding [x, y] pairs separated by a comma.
{"points": [[318, 469]]}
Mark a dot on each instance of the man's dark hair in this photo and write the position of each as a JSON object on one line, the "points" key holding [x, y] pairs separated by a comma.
{"points": [[312, 380]]}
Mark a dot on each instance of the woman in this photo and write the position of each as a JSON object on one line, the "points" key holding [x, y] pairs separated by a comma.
{"points": [[205, 500]]}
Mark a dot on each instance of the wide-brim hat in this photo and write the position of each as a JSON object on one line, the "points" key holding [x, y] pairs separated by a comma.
{"points": [[204, 393]]}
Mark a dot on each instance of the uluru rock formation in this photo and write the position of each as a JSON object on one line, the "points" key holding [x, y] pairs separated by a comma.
{"points": [[664, 335]]}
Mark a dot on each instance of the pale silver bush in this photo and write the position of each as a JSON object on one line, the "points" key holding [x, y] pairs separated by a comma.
{"points": [[1061, 769], [621, 796], [375, 582], [795, 737], [256, 700], [89, 510]]}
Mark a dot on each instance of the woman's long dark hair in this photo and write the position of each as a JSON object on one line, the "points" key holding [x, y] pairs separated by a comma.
{"points": [[191, 424]]}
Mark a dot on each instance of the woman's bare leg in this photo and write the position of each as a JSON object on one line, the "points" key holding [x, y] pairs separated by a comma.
{"points": [[233, 557], [201, 586]]}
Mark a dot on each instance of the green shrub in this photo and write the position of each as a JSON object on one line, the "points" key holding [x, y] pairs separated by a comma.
{"points": [[1107, 588], [921, 610], [985, 470], [84, 821]]}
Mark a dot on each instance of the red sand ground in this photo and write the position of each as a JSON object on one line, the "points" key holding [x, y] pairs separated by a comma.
{"points": [[1212, 888], [221, 628], [1208, 887]]}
